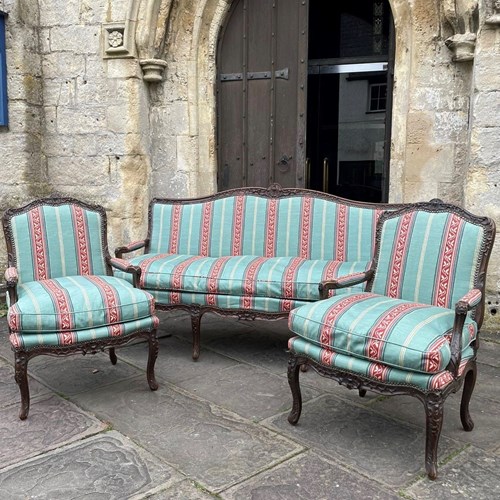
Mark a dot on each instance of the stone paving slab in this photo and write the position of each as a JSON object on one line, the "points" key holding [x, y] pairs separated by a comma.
{"points": [[9, 390], [377, 446], [474, 474], [52, 422], [485, 414], [247, 390], [203, 441], [185, 490], [307, 476], [108, 466], [487, 382], [259, 347], [73, 374], [174, 363], [489, 352]]}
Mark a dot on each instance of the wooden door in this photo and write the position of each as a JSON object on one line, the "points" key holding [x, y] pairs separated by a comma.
{"points": [[261, 94]]}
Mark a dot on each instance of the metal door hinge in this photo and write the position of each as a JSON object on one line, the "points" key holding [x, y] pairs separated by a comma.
{"points": [[255, 75]]}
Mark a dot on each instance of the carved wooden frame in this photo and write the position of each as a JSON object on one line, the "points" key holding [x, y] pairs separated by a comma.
{"points": [[274, 191], [22, 356], [432, 400]]}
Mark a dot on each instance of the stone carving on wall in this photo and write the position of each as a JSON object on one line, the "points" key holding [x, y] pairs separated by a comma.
{"points": [[141, 35], [151, 29], [493, 12], [462, 16]]}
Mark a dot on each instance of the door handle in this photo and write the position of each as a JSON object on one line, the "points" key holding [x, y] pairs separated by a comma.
{"points": [[284, 160], [325, 175]]}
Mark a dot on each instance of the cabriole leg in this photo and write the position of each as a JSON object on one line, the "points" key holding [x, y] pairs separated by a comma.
{"points": [[470, 382], [294, 366], [21, 376], [112, 356], [434, 405], [195, 326], [153, 354]]}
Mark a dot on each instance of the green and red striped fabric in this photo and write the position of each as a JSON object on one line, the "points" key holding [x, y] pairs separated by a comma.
{"points": [[296, 226], [376, 371], [398, 333], [75, 245]]}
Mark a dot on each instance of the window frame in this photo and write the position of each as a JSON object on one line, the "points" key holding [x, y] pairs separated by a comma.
{"points": [[4, 115]]}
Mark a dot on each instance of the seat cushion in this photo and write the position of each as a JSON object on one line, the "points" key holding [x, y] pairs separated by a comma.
{"points": [[377, 371], [394, 332], [290, 278], [77, 303], [29, 341]]}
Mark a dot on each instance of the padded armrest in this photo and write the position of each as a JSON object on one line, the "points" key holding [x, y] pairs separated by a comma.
{"points": [[135, 245], [468, 301], [126, 267], [343, 282]]}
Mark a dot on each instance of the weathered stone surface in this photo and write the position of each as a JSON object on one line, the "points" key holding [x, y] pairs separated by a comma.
{"points": [[106, 466], [247, 390], [474, 474], [52, 422], [9, 390], [73, 374], [182, 491], [307, 476], [379, 447], [199, 439], [174, 363]]}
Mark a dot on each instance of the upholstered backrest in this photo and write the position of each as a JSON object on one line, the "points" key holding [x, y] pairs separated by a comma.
{"points": [[427, 256], [300, 226], [55, 240]]}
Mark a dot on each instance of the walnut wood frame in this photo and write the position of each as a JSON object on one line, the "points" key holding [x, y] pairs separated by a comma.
{"points": [[22, 356], [274, 191], [432, 400]]}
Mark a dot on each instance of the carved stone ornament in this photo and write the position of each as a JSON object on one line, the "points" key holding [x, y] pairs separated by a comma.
{"points": [[117, 41], [462, 16], [462, 46], [153, 70], [494, 17]]}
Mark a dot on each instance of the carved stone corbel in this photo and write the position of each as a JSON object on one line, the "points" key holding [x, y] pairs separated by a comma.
{"points": [[462, 16], [150, 37], [493, 13]]}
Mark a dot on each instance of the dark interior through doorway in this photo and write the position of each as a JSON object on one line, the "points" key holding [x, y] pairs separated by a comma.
{"points": [[350, 73]]}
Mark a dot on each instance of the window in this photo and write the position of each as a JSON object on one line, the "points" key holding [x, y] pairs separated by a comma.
{"points": [[3, 73], [377, 97]]}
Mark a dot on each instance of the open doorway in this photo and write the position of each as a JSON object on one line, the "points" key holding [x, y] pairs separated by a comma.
{"points": [[349, 98]]}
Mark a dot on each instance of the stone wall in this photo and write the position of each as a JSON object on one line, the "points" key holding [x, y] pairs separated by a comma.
{"points": [[86, 122]]}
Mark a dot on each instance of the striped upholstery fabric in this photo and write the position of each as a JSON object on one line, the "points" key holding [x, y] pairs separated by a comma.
{"points": [[296, 226], [376, 371], [430, 258], [395, 332], [67, 338], [74, 247], [76, 303], [261, 304], [279, 277]]}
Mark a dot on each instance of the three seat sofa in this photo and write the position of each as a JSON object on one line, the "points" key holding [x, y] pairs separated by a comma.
{"points": [[250, 252]]}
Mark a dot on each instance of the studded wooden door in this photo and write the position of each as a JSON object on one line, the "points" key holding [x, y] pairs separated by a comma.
{"points": [[261, 94]]}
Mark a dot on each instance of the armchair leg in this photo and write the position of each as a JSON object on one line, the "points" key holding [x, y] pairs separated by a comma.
{"points": [[153, 354], [434, 406], [362, 393], [470, 382], [112, 356], [294, 367], [21, 376], [195, 326]]}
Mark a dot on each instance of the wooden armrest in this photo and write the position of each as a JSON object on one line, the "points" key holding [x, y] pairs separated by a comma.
{"points": [[135, 245], [343, 282], [126, 267], [11, 279]]}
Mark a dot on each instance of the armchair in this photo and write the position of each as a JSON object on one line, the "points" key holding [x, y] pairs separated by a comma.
{"points": [[62, 296], [415, 328]]}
